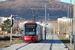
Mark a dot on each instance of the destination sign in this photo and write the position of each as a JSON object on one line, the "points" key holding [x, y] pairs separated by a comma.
{"points": [[30, 25]]}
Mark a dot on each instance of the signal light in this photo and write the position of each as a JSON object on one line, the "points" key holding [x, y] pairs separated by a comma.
{"points": [[11, 20]]}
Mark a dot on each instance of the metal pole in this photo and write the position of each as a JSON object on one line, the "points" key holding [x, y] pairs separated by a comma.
{"points": [[70, 25], [50, 29], [54, 30], [45, 22], [48, 17], [17, 23], [34, 18], [11, 32], [48, 25], [71, 31], [74, 24], [68, 12], [58, 27], [68, 19]]}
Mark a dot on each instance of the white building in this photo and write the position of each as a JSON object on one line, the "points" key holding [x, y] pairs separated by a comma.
{"points": [[21, 24], [64, 24], [2, 19], [64, 19]]}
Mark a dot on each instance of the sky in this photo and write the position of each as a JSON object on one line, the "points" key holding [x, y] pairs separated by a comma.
{"points": [[67, 1], [2, 0]]}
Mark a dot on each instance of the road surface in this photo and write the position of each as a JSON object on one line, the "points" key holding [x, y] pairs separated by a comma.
{"points": [[52, 42]]}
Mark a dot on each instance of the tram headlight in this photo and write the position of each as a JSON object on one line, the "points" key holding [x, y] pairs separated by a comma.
{"points": [[25, 38]]}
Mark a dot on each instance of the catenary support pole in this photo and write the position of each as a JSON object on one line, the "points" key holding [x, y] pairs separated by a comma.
{"points": [[45, 22], [74, 24], [11, 32], [70, 24]]}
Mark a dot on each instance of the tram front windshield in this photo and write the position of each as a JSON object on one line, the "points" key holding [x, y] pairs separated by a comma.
{"points": [[30, 29]]}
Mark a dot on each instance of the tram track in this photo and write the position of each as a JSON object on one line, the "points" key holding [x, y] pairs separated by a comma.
{"points": [[22, 46]]}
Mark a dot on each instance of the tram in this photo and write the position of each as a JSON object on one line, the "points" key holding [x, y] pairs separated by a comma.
{"points": [[32, 32]]}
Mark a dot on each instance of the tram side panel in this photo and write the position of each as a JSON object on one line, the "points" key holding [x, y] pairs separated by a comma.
{"points": [[39, 33]]}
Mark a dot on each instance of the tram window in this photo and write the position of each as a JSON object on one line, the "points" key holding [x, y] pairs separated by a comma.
{"points": [[30, 30]]}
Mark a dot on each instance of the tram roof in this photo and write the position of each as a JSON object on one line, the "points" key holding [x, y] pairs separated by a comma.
{"points": [[30, 23]]}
